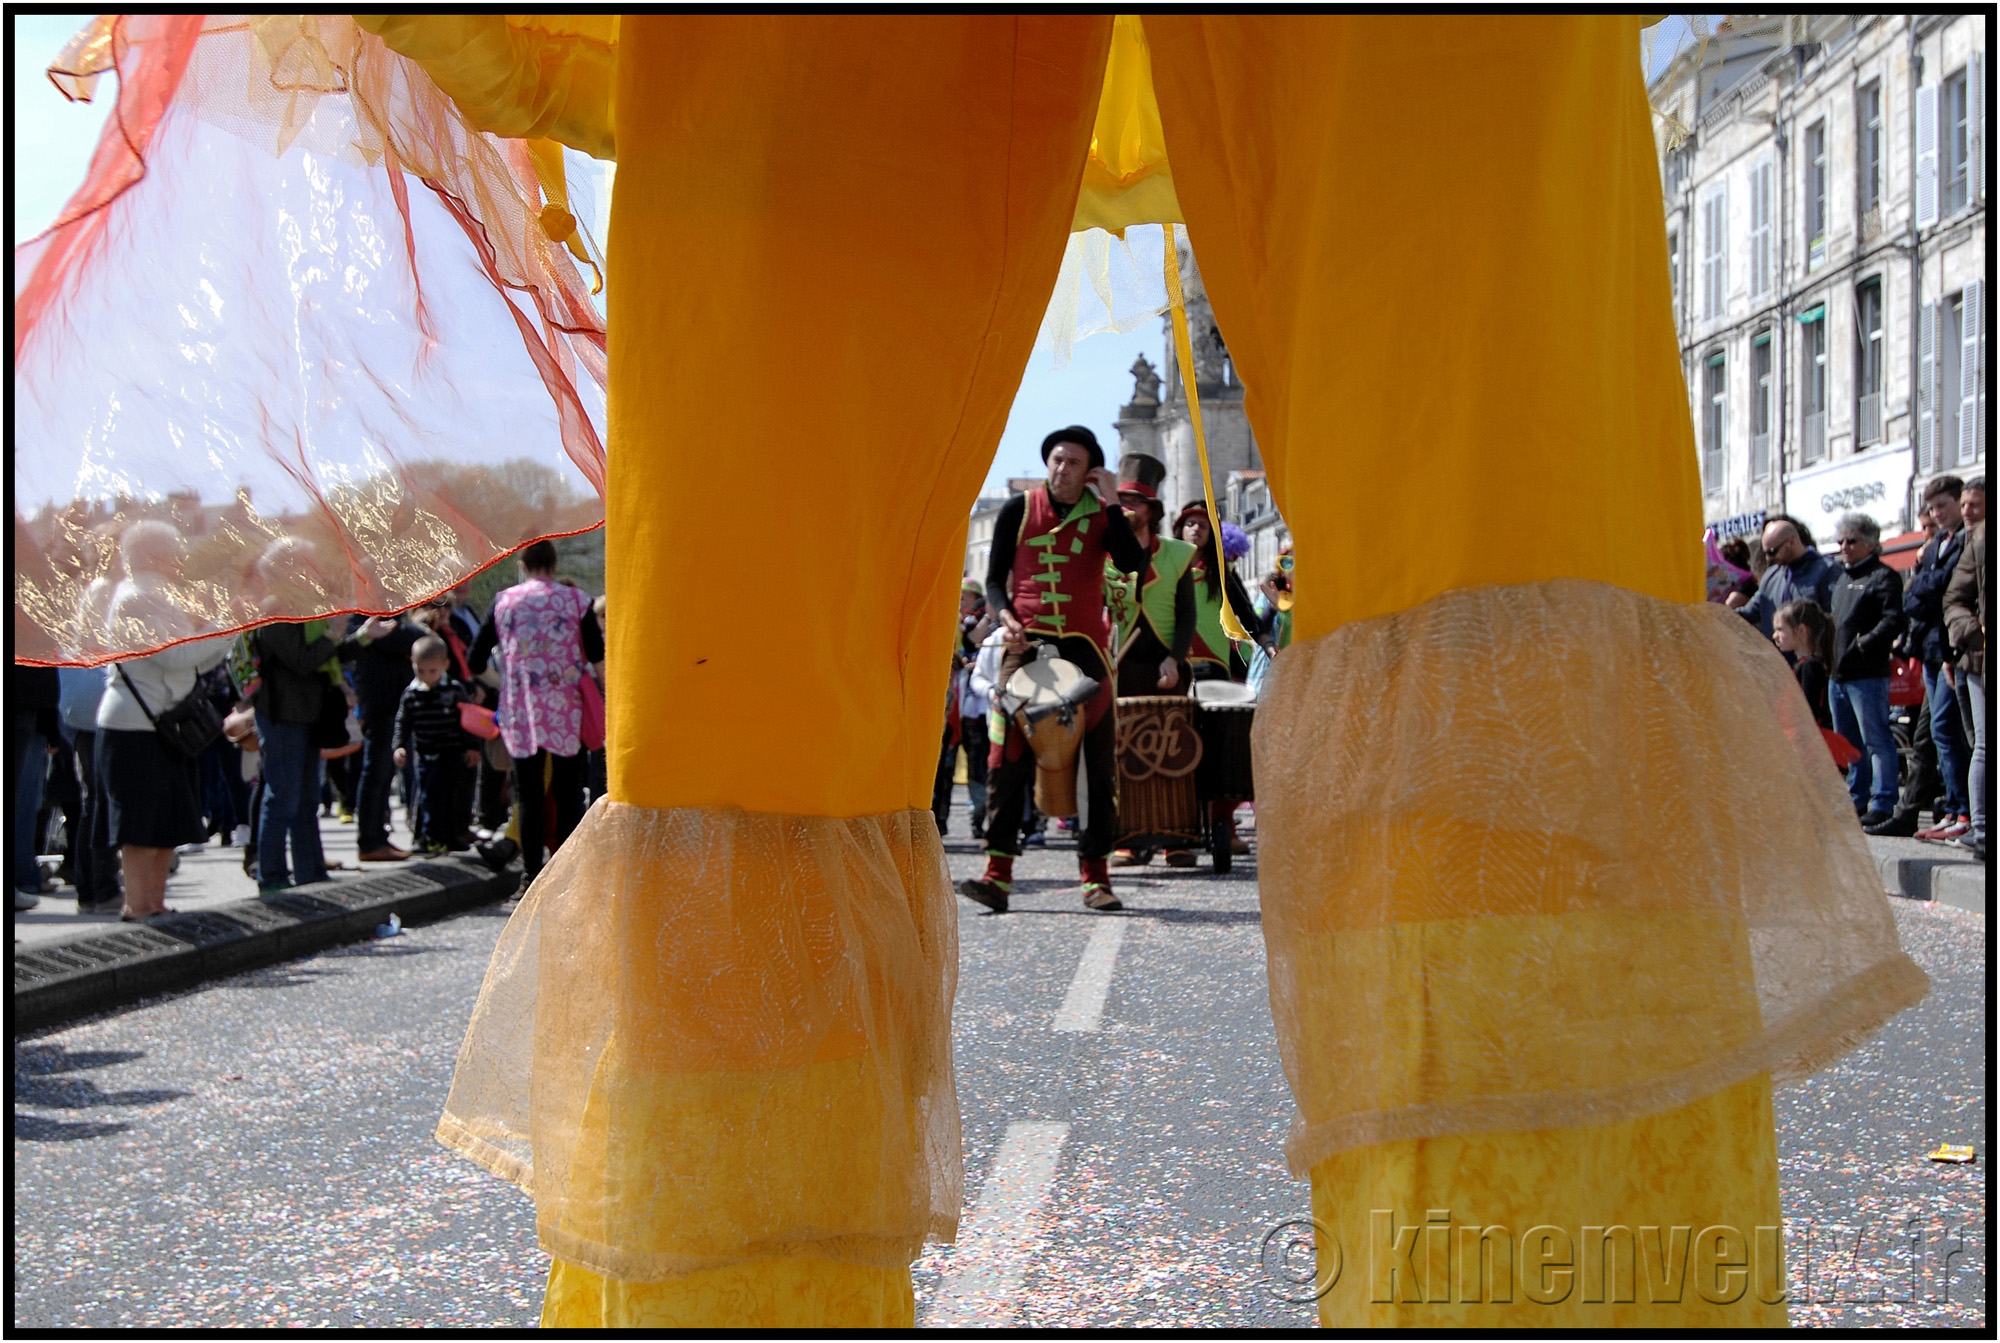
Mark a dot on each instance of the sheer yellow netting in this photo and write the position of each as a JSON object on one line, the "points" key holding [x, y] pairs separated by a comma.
{"points": [[298, 307], [1518, 871], [709, 1036]]}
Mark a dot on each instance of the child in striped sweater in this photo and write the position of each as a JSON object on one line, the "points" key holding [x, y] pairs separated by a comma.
{"points": [[428, 728]]}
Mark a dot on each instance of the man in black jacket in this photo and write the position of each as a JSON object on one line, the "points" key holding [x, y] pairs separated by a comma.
{"points": [[379, 650], [1923, 609], [295, 685], [1867, 617]]}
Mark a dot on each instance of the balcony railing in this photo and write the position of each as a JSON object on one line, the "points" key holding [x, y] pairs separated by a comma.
{"points": [[1868, 420], [1812, 437]]}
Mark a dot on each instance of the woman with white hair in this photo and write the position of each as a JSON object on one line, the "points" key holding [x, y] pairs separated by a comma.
{"points": [[153, 791]]}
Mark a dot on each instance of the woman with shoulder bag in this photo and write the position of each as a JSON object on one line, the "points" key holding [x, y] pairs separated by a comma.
{"points": [[146, 738]]}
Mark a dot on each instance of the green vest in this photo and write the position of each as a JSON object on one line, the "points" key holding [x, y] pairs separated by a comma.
{"points": [[1209, 641], [1127, 598]]}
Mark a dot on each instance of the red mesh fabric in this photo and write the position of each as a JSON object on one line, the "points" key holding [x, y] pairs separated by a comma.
{"points": [[344, 393]]}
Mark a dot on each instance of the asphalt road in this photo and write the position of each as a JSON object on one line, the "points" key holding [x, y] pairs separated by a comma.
{"points": [[257, 1153]]}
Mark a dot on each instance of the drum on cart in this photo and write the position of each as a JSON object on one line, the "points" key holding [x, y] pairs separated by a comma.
{"points": [[1159, 751], [1224, 712]]}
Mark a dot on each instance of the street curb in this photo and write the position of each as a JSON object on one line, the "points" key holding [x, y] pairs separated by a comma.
{"points": [[60, 981], [1958, 882]]}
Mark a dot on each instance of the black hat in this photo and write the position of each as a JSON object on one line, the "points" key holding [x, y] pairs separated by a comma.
{"points": [[1078, 435], [1142, 470]]}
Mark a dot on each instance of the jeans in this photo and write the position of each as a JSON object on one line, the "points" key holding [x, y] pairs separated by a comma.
{"points": [[1861, 714], [291, 805], [31, 768], [378, 767], [1952, 754], [972, 732], [1976, 780]]}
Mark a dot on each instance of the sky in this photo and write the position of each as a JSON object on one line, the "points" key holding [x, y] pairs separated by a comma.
{"points": [[53, 140]]}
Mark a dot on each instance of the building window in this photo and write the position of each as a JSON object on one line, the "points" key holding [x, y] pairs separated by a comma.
{"points": [[1760, 406], [1715, 417], [1868, 158], [1714, 253], [1674, 269], [1816, 194], [1957, 159], [1763, 178], [1812, 386], [1868, 363]]}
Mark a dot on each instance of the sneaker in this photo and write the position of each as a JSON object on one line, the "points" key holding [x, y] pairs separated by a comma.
{"points": [[1132, 857], [1966, 842], [1952, 827], [276, 889], [343, 815], [198, 847], [1873, 818], [241, 839], [25, 899], [1101, 899], [1902, 824], [982, 892], [1035, 838]]}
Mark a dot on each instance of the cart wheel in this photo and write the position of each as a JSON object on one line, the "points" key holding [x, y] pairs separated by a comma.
{"points": [[1218, 845]]}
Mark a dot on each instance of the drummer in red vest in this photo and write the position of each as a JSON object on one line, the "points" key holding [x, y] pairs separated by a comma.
{"points": [[1045, 584]]}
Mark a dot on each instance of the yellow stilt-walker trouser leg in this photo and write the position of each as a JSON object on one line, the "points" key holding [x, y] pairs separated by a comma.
{"points": [[832, 242], [1434, 247]]}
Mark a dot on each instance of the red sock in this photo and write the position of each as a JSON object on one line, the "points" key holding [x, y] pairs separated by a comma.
{"points": [[1000, 870], [1096, 872]]}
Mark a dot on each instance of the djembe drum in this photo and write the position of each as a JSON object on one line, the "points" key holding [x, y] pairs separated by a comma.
{"points": [[1046, 700], [1158, 753], [1224, 712]]}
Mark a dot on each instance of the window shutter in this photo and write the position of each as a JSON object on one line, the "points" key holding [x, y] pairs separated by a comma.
{"points": [[1927, 388], [1721, 250], [1971, 375], [1975, 128], [1927, 155]]}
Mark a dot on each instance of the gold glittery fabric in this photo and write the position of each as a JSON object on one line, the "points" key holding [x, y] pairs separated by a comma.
{"points": [[1554, 854], [711, 1036]]}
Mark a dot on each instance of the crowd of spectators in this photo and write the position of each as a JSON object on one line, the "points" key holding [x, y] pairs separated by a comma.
{"points": [[1863, 640], [485, 727]]}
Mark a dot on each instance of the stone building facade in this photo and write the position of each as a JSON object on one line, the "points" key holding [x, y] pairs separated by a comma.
{"points": [[1156, 421], [1826, 232]]}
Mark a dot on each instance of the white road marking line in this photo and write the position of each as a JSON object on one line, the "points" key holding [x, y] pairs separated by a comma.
{"points": [[1083, 1008], [1000, 1236]]}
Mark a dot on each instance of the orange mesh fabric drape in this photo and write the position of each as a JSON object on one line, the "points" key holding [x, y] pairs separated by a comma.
{"points": [[297, 299], [715, 1041], [1554, 880]]}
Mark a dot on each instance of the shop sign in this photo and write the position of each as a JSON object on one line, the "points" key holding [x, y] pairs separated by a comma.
{"points": [[1877, 484]]}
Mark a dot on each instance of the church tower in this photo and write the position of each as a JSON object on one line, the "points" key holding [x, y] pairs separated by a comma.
{"points": [[1156, 422]]}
